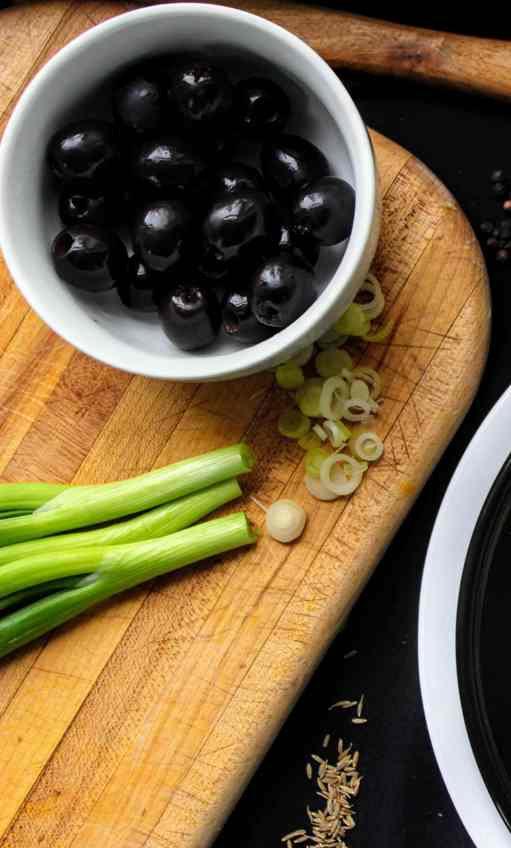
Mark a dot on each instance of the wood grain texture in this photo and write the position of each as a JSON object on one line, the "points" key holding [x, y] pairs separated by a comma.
{"points": [[481, 65], [139, 726]]}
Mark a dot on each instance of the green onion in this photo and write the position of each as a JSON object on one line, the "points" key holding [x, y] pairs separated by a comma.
{"points": [[293, 424], [156, 522], [303, 356], [289, 376], [310, 441], [25, 497], [329, 363], [353, 322], [330, 338], [314, 460], [382, 333], [34, 592], [107, 571], [308, 397], [84, 506]]}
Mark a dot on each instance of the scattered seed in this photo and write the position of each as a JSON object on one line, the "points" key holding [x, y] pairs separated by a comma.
{"points": [[350, 654], [308, 771], [360, 706], [359, 721], [326, 741], [344, 705]]}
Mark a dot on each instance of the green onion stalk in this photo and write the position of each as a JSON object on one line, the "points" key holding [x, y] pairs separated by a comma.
{"points": [[83, 506], [160, 521], [23, 498], [101, 572]]}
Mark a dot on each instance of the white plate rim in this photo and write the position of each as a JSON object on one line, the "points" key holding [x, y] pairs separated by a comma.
{"points": [[443, 570]]}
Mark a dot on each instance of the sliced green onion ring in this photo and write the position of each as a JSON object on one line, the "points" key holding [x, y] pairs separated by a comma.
{"points": [[381, 334], [308, 397], [314, 460], [371, 377], [359, 390], [330, 362], [293, 425], [353, 322], [320, 432], [318, 490], [341, 473], [374, 307], [367, 446], [334, 392], [330, 339], [358, 410], [289, 376], [337, 433], [285, 521], [310, 441]]}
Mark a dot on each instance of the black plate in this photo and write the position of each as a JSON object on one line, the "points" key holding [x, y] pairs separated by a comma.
{"points": [[483, 644]]}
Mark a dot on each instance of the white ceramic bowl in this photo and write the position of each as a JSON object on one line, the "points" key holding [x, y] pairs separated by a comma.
{"points": [[99, 325]]}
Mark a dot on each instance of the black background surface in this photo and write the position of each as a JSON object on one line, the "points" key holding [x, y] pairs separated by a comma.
{"points": [[403, 803]]}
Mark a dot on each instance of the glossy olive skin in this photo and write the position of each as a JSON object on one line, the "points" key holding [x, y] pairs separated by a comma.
{"points": [[91, 258], [137, 287], [190, 314], [261, 107], [237, 223], [289, 162], [139, 102], [84, 151], [162, 163], [90, 205], [232, 178], [282, 289], [238, 319], [160, 234], [324, 210], [211, 264], [303, 247], [200, 92]]}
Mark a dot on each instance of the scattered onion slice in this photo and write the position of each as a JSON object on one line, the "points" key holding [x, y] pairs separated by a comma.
{"points": [[358, 410], [318, 490], [359, 390], [367, 446], [285, 521], [303, 356], [371, 377], [374, 307], [320, 432], [337, 432], [333, 394], [335, 476]]}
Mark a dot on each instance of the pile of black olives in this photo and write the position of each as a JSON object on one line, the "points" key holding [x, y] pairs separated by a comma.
{"points": [[217, 244]]}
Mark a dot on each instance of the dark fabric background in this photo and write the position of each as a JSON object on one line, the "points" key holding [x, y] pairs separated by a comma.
{"points": [[403, 803]]}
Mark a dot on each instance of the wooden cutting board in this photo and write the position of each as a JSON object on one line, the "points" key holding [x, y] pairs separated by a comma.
{"points": [[139, 726]]}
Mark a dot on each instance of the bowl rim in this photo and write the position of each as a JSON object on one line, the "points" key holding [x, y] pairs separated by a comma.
{"points": [[438, 617], [246, 359]]}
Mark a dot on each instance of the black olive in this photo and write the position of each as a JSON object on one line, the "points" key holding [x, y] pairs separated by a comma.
{"points": [[232, 178], [306, 249], [261, 107], [137, 287], [160, 233], [200, 92], [161, 164], [139, 102], [88, 205], [84, 151], [190, 314], [90, 258], [324, 210], [238, 319], [237, 223], [289, 162], [282, 289]]}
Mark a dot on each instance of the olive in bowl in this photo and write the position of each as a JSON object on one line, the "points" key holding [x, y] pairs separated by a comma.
{"points": [[289, 162], [261, 107], [199, 91], [323, 211], [189, 313], [91, 258], [139, 102], [238, 319], [160, 233], [85, 151], [138, 287], [160, 164], [282, 289], [238, 222], [89, 205]]}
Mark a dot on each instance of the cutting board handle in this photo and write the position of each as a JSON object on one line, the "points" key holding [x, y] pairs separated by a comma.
{"points": [[474, 64]]}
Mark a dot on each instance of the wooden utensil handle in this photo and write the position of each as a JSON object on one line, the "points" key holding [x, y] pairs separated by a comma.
{"points": [[350, 41]]}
